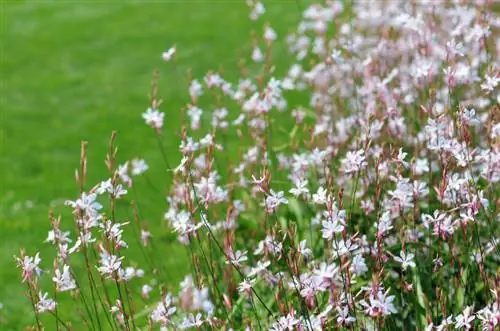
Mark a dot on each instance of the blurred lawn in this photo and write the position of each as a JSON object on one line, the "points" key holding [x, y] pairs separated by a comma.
{"points": [[76, 70]]}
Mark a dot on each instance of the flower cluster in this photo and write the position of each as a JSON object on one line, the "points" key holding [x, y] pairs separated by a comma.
{"points": [[358, 190]]}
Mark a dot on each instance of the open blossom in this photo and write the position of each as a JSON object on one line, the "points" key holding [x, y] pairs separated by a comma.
{"points": [[63, 280], [167, 56], [45, 303], [237, 258], [139, 166], [86, 203], [406, 260], [145, 290], [286, 323], [246, 286], [273, 200], [464, 319], [145, 237], [379, 304], [163, 311], [320, 196], [330, 227], [154, 118], [57, 236], [490, 83], [354, 162], [257, 9], [109, 264], [300, 188], [191, 321], [30, 266]]}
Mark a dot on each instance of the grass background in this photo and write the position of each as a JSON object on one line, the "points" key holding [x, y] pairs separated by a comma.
{"points": [[77, 70]]}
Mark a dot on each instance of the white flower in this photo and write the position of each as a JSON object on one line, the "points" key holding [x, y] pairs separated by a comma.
{"points": [[274, 199], [246, 286], [44, 303], [303, 249], [153, 118], [491, 82], [29, 266], [139, 166], [455, 48], [406, 260], [57, 236], [63, 280], [257, 55], [167, 56], [379, 305], [191, 322], [257, 9], [300, 188], [354, 162], [145, 236], [464, 319], [182, 166], [320, 196], [330, 227], [163, 311], [109, 263], [358, 266], [195, 89], [269, 34], [237, 258], [145, 290]]}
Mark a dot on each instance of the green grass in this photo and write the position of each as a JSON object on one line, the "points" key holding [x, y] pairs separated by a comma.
{"points": [[76, 70]]}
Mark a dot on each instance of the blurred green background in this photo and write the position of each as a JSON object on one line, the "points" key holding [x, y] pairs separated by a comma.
{"points": [[77, 70]]}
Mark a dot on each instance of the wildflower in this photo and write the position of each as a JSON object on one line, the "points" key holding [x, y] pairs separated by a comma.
{"points": [[153, 118], [300, 188], [45, 303], [354, 162], [261, 266], [464, 319], [269, 34], [109, 264], [246, 286], [145, 290], [56, 236], [257, 55], [86, 203], [257, 9], [379, 304], [63, 280], [287, 322], [491, 82], [167, 56], [237, 258], [191, 322], [195, 89], [320, 196], [330, 227], [344, 318], [273, 200], [455, 48], [401, 158], [182, 166], [29, 266], [326, 272], [445, 323], [303, 249], [163, 311], [139, 166], [358, 266], [405, 259], [145, 237]]}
